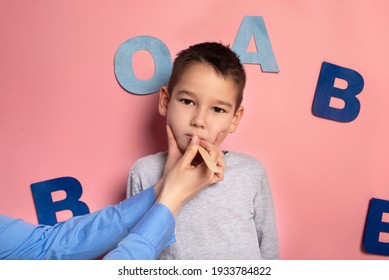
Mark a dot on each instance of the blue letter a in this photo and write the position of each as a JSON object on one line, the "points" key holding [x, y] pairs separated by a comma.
{"points": [[254, 26], [46, 207], [325, 90]]}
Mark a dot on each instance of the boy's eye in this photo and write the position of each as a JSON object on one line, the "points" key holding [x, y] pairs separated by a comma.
{"points": [[186, 101], [218, 110]]}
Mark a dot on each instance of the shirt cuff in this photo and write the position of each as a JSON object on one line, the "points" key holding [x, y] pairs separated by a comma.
{"points": [[157, 227]]}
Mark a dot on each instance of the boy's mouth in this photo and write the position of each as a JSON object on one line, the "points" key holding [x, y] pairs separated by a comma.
{"points": [[190, 137]]}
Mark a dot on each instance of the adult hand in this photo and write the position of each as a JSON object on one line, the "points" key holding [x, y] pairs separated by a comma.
{"points": [[174, 153], [183, 180]]}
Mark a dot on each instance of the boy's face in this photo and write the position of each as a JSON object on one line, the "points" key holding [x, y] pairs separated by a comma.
{"points": [[202, 103]]}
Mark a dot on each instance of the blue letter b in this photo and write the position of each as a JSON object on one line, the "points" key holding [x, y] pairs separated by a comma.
{"points": [[374, 226], [325, 91], [46, 207]]}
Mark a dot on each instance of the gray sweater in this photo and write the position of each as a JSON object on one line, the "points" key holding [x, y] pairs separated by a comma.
{"points": [[233, 219]]}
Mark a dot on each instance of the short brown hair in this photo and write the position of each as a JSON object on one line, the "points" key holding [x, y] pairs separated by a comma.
{"points": [[220, 57]]}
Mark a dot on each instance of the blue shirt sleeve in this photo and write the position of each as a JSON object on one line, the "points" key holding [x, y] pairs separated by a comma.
{"points": [[148, 238], [81, 237]]}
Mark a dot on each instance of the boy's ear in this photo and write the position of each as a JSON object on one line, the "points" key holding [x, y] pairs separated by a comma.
{"points": [[236, 119], [164, 100]]}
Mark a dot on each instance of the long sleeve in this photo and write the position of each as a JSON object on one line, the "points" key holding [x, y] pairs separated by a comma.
{"points": [[265, 220], [149, 237], [81, 237]]}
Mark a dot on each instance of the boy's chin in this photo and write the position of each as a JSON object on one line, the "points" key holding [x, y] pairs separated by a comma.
{"points": [[182, 148], [183, 145]]}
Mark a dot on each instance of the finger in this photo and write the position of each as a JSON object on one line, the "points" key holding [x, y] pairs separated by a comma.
{"points": [[209, 161], [218, 176], [219, 138], [221, 163], [190, 152], [221, 166], [213, 150]]}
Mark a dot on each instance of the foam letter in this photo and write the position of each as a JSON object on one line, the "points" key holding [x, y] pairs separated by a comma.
{"points": [[326, 90], [374, 226], [124, 70], [254, 26], [46, 208]]}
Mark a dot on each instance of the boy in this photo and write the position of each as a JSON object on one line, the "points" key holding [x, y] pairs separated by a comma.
{"points": [[234, 218]]}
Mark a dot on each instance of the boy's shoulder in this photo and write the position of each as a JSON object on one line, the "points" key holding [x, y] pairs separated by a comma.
{"points": [[242, 161], [234, 160], [150, 162]]}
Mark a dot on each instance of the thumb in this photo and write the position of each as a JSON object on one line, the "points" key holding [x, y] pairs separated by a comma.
{"points": [[190, 152], [219, 138]]}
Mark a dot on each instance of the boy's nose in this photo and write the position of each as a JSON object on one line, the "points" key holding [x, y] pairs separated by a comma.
{"points": [[198, 120]]}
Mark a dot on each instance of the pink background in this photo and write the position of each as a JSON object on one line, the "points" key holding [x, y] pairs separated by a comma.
{"points": [[62, 112]]}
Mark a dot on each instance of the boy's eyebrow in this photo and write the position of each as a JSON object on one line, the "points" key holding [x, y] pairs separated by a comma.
{"points": [[184, 91], [224, 103], [220, 102]]}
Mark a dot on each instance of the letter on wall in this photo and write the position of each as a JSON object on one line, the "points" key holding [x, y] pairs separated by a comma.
{"points": [[374, 226], [46, 208], [124, 68], [254, 26], [325, 91]]}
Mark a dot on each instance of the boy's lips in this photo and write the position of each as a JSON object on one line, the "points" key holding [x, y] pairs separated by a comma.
{"points": [[191, 135]]}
